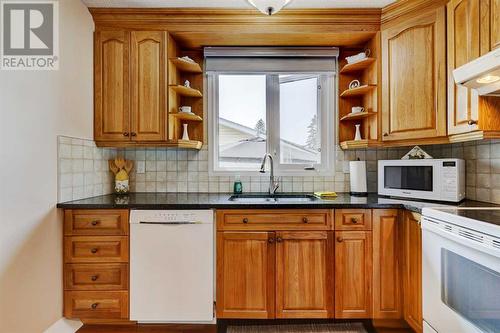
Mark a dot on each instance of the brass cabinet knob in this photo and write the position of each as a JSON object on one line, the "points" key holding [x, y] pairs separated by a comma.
{"points": [[125, 134], [133, 134], [385, 134], [271, 240], [472, 122], [305, 220], [354, 220], [340, 239], [95, 222], [94, 306], [279, 239], [94, 250], [94, 277], [245, 220]]}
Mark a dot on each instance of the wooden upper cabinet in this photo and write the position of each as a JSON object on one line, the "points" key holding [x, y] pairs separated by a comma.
{"points": [[494, 23], [111, 75], [464, 45], [353, 274], [414, 77], [148, 98], [245, 274], [387, 296], [304, 277], [412, 270]]}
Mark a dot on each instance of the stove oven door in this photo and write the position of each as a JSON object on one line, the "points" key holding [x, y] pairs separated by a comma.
{"points": [[460, 279]]}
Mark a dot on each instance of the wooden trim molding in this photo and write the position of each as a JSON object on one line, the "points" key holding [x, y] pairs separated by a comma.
{"points": [[205, 20]]}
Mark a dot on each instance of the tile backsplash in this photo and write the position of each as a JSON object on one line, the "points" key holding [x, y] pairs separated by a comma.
{"points": [[83, 170]]}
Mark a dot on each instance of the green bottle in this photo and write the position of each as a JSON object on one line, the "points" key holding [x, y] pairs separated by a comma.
{"points": [[238, 186]]}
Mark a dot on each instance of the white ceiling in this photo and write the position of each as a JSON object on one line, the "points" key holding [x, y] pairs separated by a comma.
{"points": [[235, 3]]}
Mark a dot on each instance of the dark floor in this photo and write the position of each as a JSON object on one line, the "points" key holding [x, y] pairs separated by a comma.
{"points": [[178, 328]]}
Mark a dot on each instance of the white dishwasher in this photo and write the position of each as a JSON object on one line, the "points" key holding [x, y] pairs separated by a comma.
{"points": [[172, 266]]}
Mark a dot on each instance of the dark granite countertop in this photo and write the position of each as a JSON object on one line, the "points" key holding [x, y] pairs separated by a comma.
{"points": [[221, 200]]}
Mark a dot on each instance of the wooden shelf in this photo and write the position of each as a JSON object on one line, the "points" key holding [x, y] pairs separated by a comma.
{"points": [[186, 66], [359, 115], [359, 91], [357, 66], [358, 144], [187, 144], [186, 116], [185, 91]]}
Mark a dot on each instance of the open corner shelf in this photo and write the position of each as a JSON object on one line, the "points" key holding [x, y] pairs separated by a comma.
{"points": [[188, 144], [185, 91], [186, 66], [356, 116], [358, 144], [186, 116], [359, 91], [357, 66]]}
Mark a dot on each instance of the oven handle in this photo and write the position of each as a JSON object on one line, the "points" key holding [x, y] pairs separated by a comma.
{"points": [[430, 225]]}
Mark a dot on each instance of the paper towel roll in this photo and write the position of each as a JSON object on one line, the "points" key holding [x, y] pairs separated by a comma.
{"points": [[357, 171]]}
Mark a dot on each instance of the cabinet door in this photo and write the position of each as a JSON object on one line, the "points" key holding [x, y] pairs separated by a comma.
{"points": [[414, 78], [494, 23], [463, 47], [353, 274], [387, 296], [148, 85], [412, 270], [245, 275], [111, 86], [304, 284]]}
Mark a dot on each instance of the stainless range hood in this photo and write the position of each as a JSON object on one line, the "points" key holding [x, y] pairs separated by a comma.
{"points": [[482, 74]]}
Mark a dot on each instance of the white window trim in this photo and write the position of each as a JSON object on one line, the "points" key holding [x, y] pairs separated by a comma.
{"points": [[327, 104]]}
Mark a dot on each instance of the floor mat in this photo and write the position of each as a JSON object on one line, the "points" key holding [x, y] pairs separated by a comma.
{"points": [[302, 328]]}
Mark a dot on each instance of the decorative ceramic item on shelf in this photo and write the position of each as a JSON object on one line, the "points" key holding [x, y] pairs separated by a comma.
{"points": [[185, 135], [357, 109], [416, 153], [186, 58], [358, 57], [187, 84], [357, 136], [354, 84], [121, 169], [185, 109]]}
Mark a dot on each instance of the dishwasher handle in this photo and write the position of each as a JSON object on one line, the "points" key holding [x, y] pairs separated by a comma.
{"points": [[172, 222]]}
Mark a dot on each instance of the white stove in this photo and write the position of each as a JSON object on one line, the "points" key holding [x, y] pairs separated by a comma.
{"points": [[461, 270]]}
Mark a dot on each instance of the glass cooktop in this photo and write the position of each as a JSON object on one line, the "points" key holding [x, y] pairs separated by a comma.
{"points": [[489, 215]]}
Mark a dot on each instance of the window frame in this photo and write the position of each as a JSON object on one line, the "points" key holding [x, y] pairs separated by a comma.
{"points": [[326, 112]]}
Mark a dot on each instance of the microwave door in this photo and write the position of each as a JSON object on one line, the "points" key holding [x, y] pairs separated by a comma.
{"points": [[409, 177], [461, 285]]}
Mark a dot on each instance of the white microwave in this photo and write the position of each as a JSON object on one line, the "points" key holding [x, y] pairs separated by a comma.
{"points": [[428, 179]]}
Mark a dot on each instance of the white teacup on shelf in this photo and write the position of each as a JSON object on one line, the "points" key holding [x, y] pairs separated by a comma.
{"points": [[357, 109], [185, 109]]}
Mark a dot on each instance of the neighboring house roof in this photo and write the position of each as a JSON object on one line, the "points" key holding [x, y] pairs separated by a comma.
{"points": [[254, 147]]}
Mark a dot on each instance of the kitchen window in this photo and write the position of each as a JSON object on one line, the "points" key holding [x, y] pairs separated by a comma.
{"points": [[279, 104]]}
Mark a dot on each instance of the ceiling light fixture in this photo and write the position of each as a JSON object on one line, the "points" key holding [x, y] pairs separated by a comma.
{"points": [[269, 7], [488, 79]]}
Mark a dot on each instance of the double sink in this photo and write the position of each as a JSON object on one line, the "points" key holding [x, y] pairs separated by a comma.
{"points": [[270, 198]]}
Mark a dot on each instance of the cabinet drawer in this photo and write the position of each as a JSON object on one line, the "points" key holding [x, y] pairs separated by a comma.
{"points": [[81, 249], [353, 219], [96, 222], [96, 276], [96, 304], [313, 219]]}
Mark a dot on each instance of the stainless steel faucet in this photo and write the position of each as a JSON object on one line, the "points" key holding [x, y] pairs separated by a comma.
{"points": [[273, 184]]}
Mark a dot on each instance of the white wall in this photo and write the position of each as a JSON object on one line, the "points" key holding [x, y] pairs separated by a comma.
{"points": [[35, 107]]}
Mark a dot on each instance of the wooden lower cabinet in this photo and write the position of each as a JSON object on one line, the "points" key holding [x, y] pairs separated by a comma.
{"points": [[412, 270], [304, 285], [353, 274], [245, 274], [387, 295]]}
